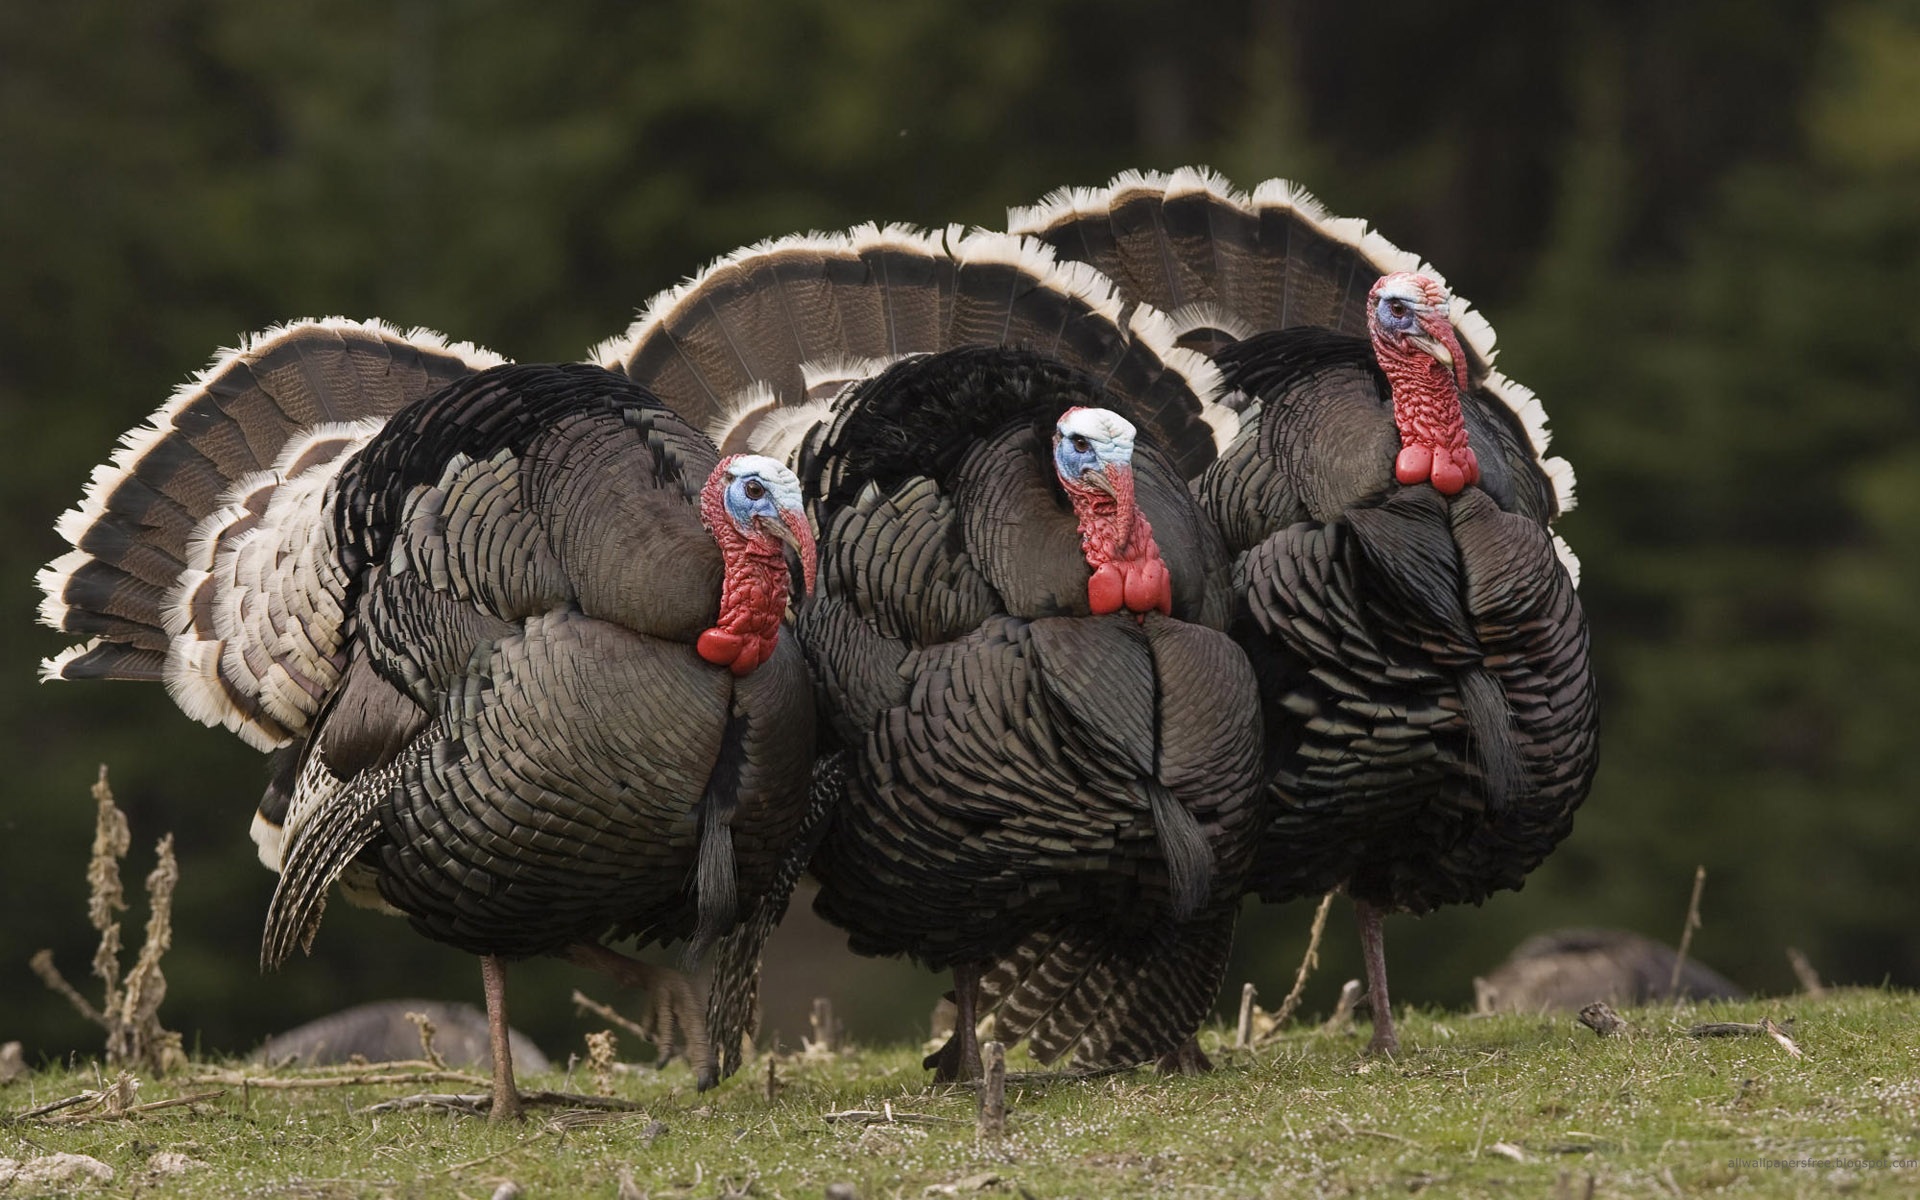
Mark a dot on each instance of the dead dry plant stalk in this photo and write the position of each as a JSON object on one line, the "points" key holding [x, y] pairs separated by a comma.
{"points": [[1308, 963], [424, 1023], [1686, 934], [1804, 972], [585, 1003], [991, 1119], [130, 1007], [600, 1061], [13, 1062]]}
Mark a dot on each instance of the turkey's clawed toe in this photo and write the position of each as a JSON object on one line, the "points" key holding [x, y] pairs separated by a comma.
{"points": [[950, 1062]]}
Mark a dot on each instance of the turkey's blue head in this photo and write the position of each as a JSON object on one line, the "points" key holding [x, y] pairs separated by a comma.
{"points": [[1411, 324], [753, 507], [1093, 458], [1091, 444]]}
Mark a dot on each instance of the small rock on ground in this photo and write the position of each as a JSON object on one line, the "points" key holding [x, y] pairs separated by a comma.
{"points": [[172, 1162], [54, 1168]]}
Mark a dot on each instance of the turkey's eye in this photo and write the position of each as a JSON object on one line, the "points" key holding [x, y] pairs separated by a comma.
{"points": [[1397, 307], [754, 489], [1081, 445]]}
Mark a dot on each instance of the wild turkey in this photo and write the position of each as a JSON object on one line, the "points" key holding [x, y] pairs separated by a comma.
{"points": [[993, 456], [512, 634], [1422, 654]]}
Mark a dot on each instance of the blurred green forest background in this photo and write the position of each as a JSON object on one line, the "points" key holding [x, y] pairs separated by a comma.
{"points": [[1696, 226]]}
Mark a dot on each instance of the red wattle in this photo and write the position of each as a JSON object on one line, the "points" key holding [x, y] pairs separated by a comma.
{"points": [[752, 654], [738, 652], [1414, 465], [1106, 590], [1149, 587], [718, 647]]}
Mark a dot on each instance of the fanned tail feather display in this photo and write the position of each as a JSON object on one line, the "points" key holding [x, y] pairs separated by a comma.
{"points": [[755, 349], [201, 550], [1225, 263]]}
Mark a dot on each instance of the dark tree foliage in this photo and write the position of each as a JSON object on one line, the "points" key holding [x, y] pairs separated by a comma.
{"points": [[1695, 225]]}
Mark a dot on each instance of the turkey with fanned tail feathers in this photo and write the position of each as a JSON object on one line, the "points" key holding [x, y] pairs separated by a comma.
{"points": [[513, 634], [1052, 747], [1422, 653]]}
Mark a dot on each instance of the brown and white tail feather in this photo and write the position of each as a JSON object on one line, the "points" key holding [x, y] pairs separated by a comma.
{"points": [[755, 349], [202, 548]]}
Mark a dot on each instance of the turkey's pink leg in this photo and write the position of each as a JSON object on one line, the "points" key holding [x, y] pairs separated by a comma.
{"points": [[1374, 949], [506, 1097]]}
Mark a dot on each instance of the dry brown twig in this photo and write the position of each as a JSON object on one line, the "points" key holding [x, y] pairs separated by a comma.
{"points": [[1780, 1032], [586, 1003], [113, 1102], [1243, 1028], [826, 1029], [886, 1116], [1342, 1017], [480, 1102], [130, 1007], [992, 1121], [1804, 972], [1686, 934], [1308, 963], [1263, 1026], [361, 1078], [424, 1023]]}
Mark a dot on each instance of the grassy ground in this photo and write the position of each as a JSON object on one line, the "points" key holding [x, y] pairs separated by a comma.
{"points": [[1530, 1106]]}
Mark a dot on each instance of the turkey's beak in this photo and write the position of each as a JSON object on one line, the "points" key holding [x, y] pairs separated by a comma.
{"points": [[1433, 346], [792, 528], [1101, 480]]}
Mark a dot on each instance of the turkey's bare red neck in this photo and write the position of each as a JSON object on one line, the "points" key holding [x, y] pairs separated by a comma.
{"points": [[753, 589], [1118, 542], [1426, 407]]}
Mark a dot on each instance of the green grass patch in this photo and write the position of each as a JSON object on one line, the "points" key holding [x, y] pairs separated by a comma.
{"points": [[1523, 1105]]}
